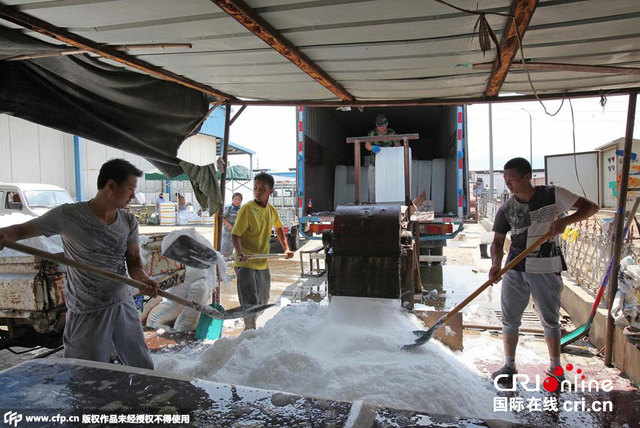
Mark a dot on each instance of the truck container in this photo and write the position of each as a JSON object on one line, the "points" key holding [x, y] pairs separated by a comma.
{"points": [[322, 146]]}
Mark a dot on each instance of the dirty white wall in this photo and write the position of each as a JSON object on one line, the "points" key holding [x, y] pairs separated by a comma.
{"points": [[95, 154], [31, 153]]}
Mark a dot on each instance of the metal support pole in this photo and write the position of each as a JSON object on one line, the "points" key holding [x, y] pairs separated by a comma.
{"points": [[407, 172], [491, 195], [78, 158], [223, 175], [356, 155], [237, 115], [217, 236], [617, 249]]}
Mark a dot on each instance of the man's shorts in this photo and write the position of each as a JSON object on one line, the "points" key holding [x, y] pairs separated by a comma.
{"points": [[545, 288], [254, 286]]}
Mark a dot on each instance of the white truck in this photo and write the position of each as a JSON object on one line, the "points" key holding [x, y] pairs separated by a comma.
{"points": [[32, 301], [284, 200], [32, 199]]}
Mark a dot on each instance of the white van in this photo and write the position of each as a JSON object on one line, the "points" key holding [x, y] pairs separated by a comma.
{"points": [[31, 198]]}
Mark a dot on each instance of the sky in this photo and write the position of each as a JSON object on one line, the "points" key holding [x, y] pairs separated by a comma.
{"points": [[271, 131], [594, 126], [268, 131]]}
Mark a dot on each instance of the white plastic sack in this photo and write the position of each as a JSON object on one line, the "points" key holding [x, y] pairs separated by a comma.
{"points": [[52, 244], [165, 313], [626, 304], [625, 309], [182, 218], [197, 288], [199, 292], [191, 232]]}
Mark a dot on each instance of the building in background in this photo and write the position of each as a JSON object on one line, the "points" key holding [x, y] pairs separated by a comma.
{"points": [[482, 178], [31, 153]]}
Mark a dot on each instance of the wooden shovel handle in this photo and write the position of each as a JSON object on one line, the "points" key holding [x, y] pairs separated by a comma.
{"points": [[501, 272], [258, 256], [98, 271]]}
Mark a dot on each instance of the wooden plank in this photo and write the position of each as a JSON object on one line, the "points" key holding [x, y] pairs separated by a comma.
{"points": [[554, 66], [521, 11], [42, 27], [253, 22]]}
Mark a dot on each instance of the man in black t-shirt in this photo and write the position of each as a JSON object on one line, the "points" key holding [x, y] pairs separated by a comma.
{"points": [[528, 214]]}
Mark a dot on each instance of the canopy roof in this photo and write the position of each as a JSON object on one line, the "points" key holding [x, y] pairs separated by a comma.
{"points": [[234, 172], [156, 175], [354, 51], [61, 62]]}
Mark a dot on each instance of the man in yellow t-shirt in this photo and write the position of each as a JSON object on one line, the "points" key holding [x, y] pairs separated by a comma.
{"points": [[251, 234]]}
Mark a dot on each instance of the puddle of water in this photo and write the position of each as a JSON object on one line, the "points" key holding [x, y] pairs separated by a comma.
{"points": [[446, 287], [310, 290], [449, 285]]}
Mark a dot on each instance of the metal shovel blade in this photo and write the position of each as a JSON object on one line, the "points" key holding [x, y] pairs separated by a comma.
{"points": [[243, 311], [239, 312], [423, 337], [190, 252]]}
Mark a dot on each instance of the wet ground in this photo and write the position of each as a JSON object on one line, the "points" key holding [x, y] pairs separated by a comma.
{"points": [[446, 285], [483, 348]]}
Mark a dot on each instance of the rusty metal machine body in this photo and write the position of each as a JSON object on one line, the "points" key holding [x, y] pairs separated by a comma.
{"points": [[370, 253]]}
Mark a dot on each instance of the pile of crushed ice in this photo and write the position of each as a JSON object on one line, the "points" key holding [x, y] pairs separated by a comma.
{"points": [[52, 244], [349, 350]]}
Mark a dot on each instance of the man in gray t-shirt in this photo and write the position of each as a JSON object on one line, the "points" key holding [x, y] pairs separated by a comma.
{"points": [[85, 291], [529, 214], [103, 234]]}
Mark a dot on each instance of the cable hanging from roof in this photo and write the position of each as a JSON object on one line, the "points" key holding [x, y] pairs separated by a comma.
{"points": [[485, 32]]}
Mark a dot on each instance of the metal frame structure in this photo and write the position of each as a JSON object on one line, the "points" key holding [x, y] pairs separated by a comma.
{"points": [[385, 27]]}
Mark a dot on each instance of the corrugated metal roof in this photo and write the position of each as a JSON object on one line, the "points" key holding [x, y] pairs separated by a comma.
{"points": [[377, 49]]}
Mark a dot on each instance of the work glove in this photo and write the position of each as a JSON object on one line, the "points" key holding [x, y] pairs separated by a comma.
{"points": [[375, 149]]}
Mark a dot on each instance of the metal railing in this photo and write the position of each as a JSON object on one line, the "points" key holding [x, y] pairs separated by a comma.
{"points": [[488, 208], [283, 201], [588, 252]]}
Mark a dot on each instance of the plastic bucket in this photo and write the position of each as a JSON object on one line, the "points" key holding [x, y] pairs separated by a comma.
{"points": [[209, 328]]}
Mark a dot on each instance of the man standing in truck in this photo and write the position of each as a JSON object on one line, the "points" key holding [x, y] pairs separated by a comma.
{"points": [[529, 213], [101, 233], [382, 128], [251, 234]]}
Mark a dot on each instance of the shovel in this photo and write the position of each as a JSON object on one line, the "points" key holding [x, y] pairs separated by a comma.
{"points": [[238, 312], [188, 251], [426, 335]]}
